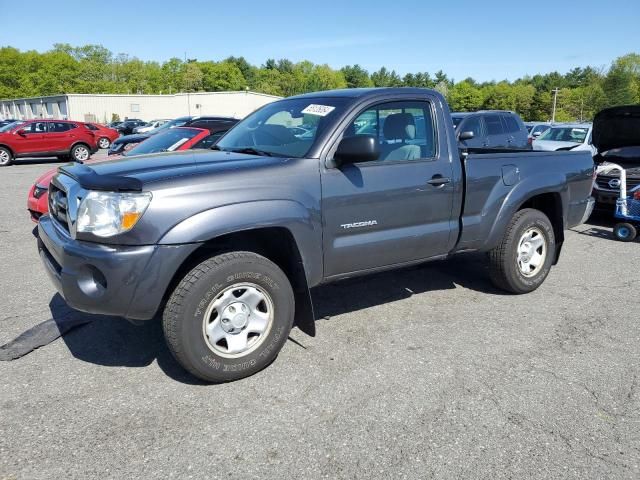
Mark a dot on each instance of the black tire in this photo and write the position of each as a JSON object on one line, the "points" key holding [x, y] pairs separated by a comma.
{"points": [[6, 157], [625, 232], [504, 267], [80, 152], [184, 321], [104, 143]]}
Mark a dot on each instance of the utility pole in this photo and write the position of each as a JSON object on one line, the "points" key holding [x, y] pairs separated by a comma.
{"points": [[555, 102]]}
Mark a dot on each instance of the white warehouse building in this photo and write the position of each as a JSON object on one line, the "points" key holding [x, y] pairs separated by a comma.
{"points": [[101, 108]]}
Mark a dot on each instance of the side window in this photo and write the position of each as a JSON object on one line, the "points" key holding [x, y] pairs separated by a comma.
{"points": [[58, 127], [91, 127], [540, 129], [404, 130], [36, 127], [510, 123], [494, 125], [472, 125]]}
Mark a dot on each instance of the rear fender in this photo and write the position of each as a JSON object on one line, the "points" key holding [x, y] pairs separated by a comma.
{"points": [[522, 192]]}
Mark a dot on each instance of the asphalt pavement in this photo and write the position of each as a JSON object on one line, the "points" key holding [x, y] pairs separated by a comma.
{"points": [[428, 372]]}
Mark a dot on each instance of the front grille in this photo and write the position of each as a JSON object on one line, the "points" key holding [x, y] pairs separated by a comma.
{"points": [[58, 206], [603, 182]]}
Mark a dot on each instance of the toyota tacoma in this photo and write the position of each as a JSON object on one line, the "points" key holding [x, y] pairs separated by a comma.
{"points": [[224, 245]]}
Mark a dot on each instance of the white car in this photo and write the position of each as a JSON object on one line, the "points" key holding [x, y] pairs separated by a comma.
{"points": [[150, 126], [566, 136]]}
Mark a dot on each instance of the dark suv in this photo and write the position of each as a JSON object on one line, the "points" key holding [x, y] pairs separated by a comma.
{"points": [[126, 127], [491, 129]]}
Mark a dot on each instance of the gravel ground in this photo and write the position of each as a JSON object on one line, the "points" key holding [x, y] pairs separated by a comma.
{"points": [[427, 372]]}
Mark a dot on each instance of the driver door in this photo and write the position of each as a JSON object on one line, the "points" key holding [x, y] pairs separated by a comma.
{"points": [[397, 209]]}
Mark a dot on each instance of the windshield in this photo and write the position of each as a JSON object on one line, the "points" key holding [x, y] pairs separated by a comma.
{"points": [[168, 141], [565, 134], [275, 128], [9, 126]]}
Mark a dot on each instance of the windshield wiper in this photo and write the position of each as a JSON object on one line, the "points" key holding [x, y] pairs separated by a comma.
{"points": [[251, 151]]}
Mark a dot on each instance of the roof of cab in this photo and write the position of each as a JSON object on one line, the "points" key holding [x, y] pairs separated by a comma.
{"points": [[361, 92]]}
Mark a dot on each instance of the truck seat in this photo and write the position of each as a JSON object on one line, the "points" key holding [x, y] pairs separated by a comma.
{"points": [[399, 127]]}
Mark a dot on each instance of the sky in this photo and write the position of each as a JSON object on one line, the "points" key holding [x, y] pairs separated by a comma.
{"points": [[486, 40]]}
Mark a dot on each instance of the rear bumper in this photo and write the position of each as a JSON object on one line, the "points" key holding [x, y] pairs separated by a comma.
{"points": [[579, 212], [127, 281]]}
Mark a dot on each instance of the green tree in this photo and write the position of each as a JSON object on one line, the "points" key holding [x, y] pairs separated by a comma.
{"points": [[465, 97], [223, 76], [192, 77], [386, 78], [356, 76]]}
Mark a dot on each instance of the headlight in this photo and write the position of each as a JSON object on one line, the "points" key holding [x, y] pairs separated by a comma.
{"points": [[108, 213]]}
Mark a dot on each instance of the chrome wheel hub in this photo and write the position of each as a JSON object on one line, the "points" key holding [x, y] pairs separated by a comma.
{"points": [[4, 157], [532, 252], [235, 317], [82, 153], [238, 320]]}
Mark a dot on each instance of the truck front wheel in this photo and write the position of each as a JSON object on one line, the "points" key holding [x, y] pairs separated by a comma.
{"points": [[229, 316], [522, 260]]}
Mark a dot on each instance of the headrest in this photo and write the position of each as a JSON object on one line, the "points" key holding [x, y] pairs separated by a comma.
{"points": [[399, 126]]}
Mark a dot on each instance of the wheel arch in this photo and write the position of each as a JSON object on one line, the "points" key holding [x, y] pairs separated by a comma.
{"points": [[79, 142], [277, 244], [8, 148], [545, 192]]}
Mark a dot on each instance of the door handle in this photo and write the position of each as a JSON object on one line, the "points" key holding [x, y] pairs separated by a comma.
{"points": [[438, 180]]}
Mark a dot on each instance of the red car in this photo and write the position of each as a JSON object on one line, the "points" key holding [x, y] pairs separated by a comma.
{"points": [[174, 139], [46, 138], [104, 135]]}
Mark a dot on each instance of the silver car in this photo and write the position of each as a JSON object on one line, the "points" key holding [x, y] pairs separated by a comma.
{"points": [[566, 136]]}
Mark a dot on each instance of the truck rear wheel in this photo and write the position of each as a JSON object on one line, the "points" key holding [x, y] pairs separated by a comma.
{"points": [[523, 259], [229, 317]]}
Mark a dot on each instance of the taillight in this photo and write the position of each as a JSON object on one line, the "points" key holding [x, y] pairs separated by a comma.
{"points": [[636, 195], [530, 140]]}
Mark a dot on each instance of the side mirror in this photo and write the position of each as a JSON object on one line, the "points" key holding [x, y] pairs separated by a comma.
{"points": [[466, 135], [360, 148], [536, 134], [21, 132]]}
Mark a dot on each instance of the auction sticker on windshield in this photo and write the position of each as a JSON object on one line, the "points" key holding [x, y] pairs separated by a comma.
{"points": [[320, 110]]}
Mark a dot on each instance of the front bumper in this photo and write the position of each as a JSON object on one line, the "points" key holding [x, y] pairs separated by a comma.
{"points": [[127, 281]]}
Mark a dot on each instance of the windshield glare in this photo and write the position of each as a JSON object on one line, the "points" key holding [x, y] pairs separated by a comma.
{"points": [[9, 126], [286, 128], [168, 141], [565, 134]]}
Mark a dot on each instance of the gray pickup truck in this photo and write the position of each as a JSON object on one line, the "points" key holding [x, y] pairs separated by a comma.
{"points": [[307, 190]]}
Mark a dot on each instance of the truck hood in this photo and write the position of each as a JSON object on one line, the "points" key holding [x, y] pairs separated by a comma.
{"points": [[133, 174], [617, 127]]}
